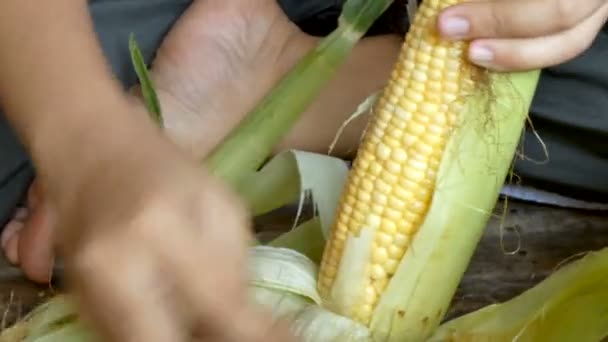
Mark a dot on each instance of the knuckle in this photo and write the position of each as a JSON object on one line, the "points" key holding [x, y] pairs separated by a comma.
{"points": [[152, 218], [499, 24], [564, 12]]}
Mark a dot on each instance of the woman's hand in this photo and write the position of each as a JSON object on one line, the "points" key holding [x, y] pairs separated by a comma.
{"points": [[156, 250], [511, 35]]}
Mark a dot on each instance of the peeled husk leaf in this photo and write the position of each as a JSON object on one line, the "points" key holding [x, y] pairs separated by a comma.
{"points": [[571, 305], [291, 176], [53, 321], [285, 269], [285, 281]]}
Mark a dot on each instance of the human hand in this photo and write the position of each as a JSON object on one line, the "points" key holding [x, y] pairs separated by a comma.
{"points": [[155, 250], [202, 62], [524, 34]]}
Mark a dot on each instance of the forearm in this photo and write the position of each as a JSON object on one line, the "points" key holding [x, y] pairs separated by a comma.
{"points": [[56, 87]]}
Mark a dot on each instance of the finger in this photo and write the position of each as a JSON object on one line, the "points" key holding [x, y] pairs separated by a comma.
{"points": [[210, 271], [513, 18], [121, 294], [216, 288], [269, 330], [526, 54], [9, 230], [36, 242]]}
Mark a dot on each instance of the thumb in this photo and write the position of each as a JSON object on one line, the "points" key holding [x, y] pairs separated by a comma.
{"points": [[534, 53]]}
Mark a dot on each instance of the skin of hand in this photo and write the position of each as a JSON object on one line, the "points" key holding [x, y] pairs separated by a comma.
{"points": [[148, 236], [167, 251], [516, 35]]}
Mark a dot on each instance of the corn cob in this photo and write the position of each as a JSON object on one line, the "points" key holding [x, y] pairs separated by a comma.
{"points": [[392, 181], [420, 238]]}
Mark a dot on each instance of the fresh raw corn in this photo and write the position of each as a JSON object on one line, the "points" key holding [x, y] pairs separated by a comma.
{"points": [[393, 177]]}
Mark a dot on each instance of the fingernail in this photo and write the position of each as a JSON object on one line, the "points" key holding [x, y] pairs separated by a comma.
{"points": [[455, 27], [481, 55]]}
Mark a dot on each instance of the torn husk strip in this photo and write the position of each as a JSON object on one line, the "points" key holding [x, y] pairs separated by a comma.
{"points": [[571, 305], [286, 270], [307, 238], [248, 146], [291, 175]]}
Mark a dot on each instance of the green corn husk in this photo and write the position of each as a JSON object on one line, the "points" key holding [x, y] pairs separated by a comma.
{"points": [[569, 305], [473, 169]]}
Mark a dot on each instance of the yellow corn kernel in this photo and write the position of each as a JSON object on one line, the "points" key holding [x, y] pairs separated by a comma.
{"points": [[410, 131]]}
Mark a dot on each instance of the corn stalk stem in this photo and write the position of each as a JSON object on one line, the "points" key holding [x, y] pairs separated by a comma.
{"points": [[248, 146]]}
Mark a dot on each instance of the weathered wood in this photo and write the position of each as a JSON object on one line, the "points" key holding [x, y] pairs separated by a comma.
{"points": [[546, 237]]}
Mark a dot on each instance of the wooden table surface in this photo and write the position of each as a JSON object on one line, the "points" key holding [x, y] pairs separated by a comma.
{"points": [[536, 239]]}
